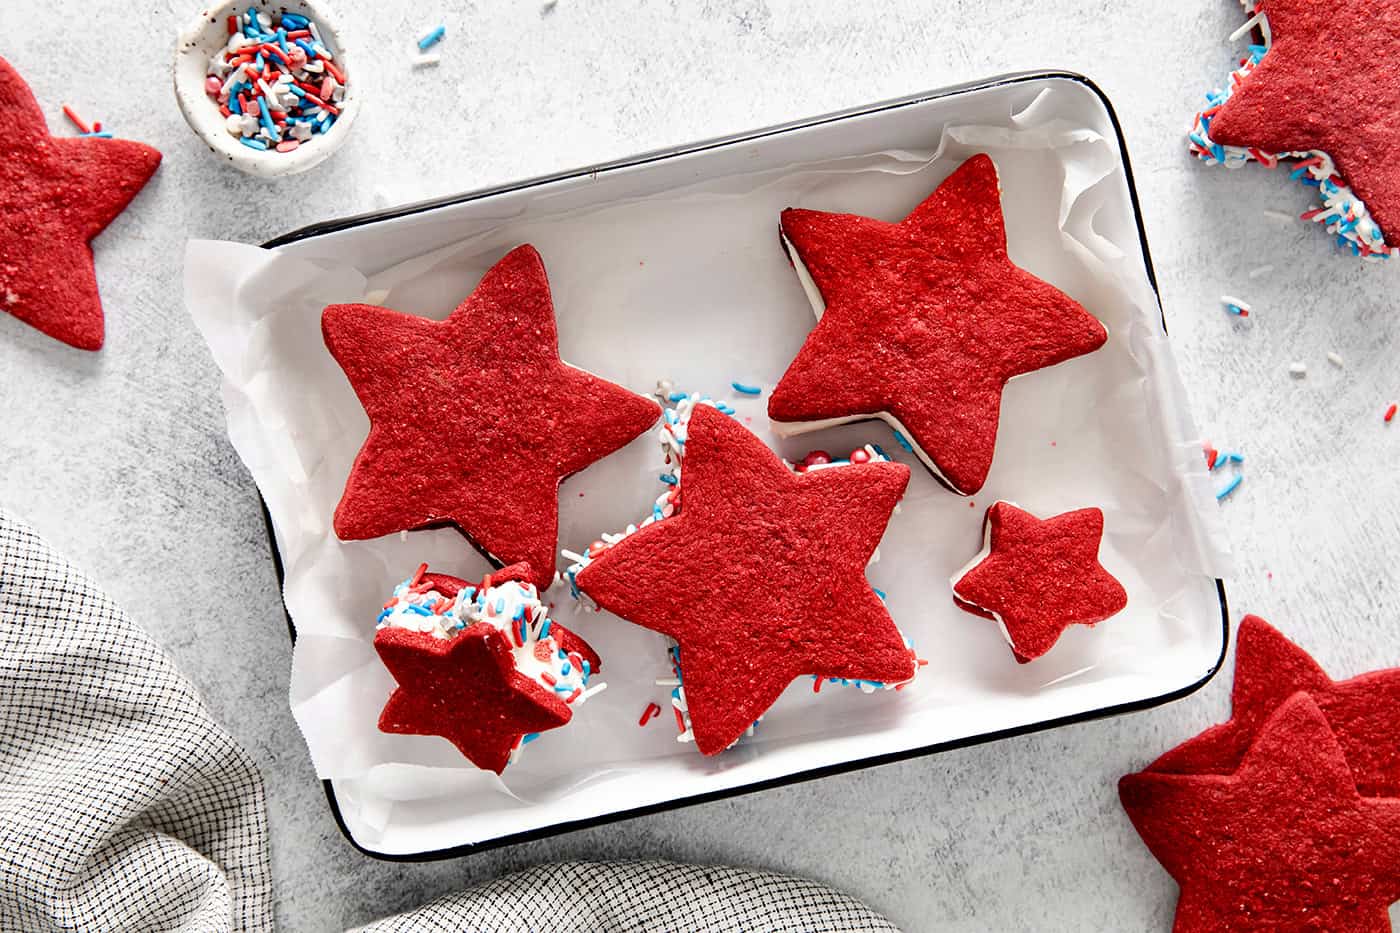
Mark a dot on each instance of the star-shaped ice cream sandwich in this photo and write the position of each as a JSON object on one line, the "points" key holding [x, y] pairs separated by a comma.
{"points": [[922, 323], [475, 420], [467, 690], [1037, 577], [760, 577], [1329, 84], [1284, 842], [1364, 712], [56, 195]]}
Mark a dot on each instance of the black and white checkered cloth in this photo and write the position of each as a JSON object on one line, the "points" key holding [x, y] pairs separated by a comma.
{"points": [[123, 805], [655, 897]]}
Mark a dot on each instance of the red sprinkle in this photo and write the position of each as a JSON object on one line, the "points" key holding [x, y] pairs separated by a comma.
{"points": [[335, 72], [548, 678], [68, 112], [232, 25], [418, 575], [1390, 413], [680, 721], [648, 714], [817, 685]]}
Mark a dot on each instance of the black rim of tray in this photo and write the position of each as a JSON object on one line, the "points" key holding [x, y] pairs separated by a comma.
{"points": [[346, 223]]}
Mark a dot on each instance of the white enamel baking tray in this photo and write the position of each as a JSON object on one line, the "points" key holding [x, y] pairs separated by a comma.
{"points": [[638, 304]]}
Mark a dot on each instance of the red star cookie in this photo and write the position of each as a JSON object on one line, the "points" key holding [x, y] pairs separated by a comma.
{"points": [[474, 421], [1285, 843], [56, 194], [1037, 577], [465, 689], [1327, 84], [925, 321], [760, 577], [1364, 712]]}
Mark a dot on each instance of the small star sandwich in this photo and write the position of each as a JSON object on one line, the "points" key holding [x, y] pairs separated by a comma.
{"points": [[482, 666]]}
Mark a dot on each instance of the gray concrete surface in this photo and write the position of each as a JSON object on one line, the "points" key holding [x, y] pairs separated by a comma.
{"points": [[120, 458]]}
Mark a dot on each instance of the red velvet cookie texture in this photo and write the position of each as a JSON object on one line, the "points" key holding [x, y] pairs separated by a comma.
{"points": [[1040, 576], [1363, 712], [760, 577], [56, 194], [474, 420], [465, 689], [1285, 843], [1328, 83], [926, 319]]}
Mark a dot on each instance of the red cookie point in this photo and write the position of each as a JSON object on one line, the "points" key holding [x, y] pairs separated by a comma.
{"points": [[1363, 712], [465, 689], [926, 319], [474, 420], [1329, 84], [56, 194], [1283, 843], [760, 578], [1040, 577]]}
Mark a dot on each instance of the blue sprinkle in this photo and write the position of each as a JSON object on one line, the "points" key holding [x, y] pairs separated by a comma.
{"points": [[421, 610], [544, 629], [746, 389], [587, 670], [252, 143], [101, 135], [1237, 458], [500, 604], [382, 616], [668, 479], [565, 668], [432, 38], [1230, 487], [527, 739], [879, 592], [677, 397], [903, 441], [233, 105], [307, 48], [519, 613]]}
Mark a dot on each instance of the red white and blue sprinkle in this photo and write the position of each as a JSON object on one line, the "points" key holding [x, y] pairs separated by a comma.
{"points": [[1235, 306], [275, 81]]}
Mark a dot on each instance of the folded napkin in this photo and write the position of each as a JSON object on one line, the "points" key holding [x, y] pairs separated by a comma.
{"points": [[583, 897], [123, 805]]}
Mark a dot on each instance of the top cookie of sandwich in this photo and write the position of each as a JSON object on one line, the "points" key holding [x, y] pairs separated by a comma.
{"points": [[474, 420], [923, 323]]}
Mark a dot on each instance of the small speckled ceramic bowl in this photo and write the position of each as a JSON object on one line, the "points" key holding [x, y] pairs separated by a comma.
{"points": [[205, 36]]}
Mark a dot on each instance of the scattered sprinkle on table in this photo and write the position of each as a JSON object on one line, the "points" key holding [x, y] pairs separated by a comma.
{"points": [[1390, 413], [432, 38], [275, 81], [83, 129], [426, 61], [1235, 306], [1298, 370], [1260, 272], [1335, 359], [1230, 487], [648, 714], [746, 389]]}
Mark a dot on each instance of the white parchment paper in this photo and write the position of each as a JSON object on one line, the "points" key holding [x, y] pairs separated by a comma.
{"points": [[684, 279]]}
